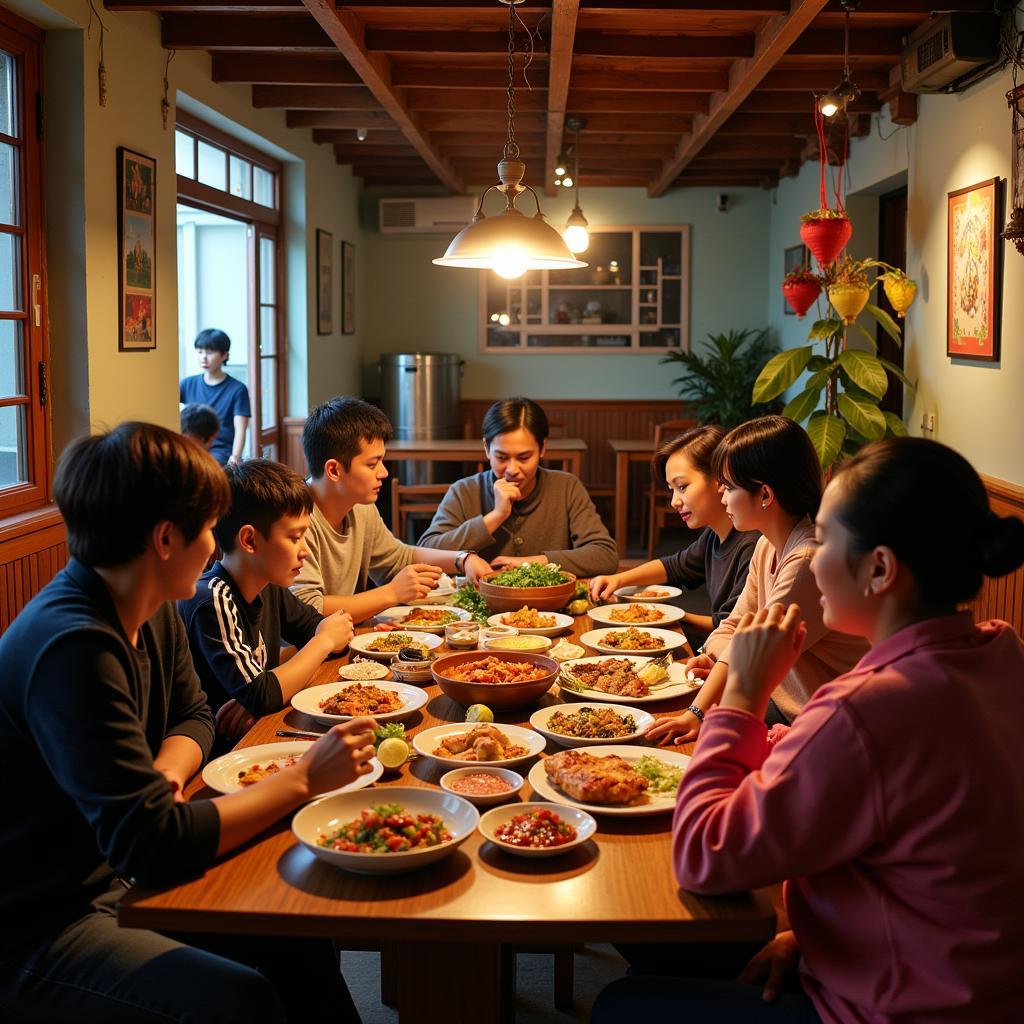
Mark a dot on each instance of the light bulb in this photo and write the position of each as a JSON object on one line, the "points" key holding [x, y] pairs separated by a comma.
{"points": [[361, 134], [567, 182], [495, 317], [576, 237], [504, 319], [559, 170], [829, 105], [510, 264]]}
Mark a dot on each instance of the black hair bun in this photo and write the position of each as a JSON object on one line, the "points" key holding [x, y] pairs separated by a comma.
{"points": [[1002, 545]]}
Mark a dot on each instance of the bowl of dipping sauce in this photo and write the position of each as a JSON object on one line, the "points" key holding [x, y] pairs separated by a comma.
{"points": [[492, 632], [482, 786], [523, 642], [462, 635]]}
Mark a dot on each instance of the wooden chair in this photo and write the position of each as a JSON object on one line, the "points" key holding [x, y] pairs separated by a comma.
{"points": [[658, 507], [409, 500]]}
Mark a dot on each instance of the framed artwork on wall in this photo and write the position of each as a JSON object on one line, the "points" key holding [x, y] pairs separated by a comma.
{"points": [[324, 281], [795, 257], [974, 258], [136, 251], [348, 288]]}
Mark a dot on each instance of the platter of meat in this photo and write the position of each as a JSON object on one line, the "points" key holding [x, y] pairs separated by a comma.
{"points": [[625, 679], [462, 743]]}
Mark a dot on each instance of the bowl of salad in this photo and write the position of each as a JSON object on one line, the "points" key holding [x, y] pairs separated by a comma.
{"points": [[384, 832], [543, 586]]}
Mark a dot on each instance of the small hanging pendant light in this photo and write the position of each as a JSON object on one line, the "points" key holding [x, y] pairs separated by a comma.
{"points": [[575, 234], [836, 100], [510, 243]]}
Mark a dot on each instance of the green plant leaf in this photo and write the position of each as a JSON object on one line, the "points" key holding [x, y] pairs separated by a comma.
{"points": [[826, 433], [779, 372], [887, 322], [820, 379], [896, 426], [865, 417], [897, 373], [803, 405], [865, 370], [817, 363], [871, 338], [822, 329]]}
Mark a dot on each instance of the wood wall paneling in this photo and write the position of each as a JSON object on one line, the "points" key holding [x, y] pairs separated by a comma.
{"points": [[1003, 598], [31, 554]]}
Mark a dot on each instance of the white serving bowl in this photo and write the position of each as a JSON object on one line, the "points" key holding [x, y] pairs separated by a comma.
{"points": [[584, 824], [328, 815], [514, 779]]}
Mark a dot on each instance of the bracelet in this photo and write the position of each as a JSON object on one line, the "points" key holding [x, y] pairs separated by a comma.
{"points": [[697, 712]]}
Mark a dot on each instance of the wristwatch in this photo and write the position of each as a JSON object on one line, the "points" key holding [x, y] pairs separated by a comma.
{"points": [[460, 562]]}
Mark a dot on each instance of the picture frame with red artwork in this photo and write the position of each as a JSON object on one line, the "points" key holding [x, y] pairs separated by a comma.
{"points": [[136, 251], [974, 260]]}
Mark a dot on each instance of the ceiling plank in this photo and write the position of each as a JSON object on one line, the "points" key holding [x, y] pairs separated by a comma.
{"points": [[450, 121], [796, 103], [370, 119], [460, 100], [313, 97], [638, 80], [348, 35], [344, 136], [612, 101], [804, 80], [217, 32], [282, 69], [206, 6], [829, 42], [563, 36], [772, 41]]}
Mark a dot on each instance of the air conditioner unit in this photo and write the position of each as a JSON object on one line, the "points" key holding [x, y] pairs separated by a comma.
{"points": [[444, 215], [946, 48]]}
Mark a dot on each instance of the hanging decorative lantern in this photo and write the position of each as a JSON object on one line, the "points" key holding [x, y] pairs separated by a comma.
{"points": [[801, 288], [1014, 230], [825, 232], [899, 290]]}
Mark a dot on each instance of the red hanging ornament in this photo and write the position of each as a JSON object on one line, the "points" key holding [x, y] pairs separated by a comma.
{"points": [[801, 295], [824, 231]]}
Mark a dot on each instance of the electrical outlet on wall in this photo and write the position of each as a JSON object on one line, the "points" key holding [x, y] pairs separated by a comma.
{"points": [[928, 424]]}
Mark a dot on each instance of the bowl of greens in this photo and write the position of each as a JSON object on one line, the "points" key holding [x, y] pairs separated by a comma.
{"points": [[543, 586]]}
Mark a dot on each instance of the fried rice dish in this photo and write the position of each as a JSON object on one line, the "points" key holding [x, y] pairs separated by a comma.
{"points": [[496, 670], [636, 613], [361, 700], [592, 724], [632, 639]]}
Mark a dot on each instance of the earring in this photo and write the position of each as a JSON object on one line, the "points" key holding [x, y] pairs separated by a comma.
{"points": [[764, 505]]}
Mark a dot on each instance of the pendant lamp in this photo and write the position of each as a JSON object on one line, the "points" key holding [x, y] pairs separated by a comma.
{"points": [[575, 234], [835, 100], [509, 243]]}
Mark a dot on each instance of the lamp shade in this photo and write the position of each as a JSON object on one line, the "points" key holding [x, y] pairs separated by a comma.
{"points": [[509, 244]]}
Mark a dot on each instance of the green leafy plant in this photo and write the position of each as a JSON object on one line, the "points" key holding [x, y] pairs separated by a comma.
{"points": [[849, 383], [720, 383]]}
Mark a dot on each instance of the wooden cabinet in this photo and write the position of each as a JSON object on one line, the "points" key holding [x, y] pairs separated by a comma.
{"points": [[632, 297]]}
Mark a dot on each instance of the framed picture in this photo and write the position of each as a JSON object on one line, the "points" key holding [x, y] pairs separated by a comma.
{"points": [[795, 256], [348, 288], [974, 258], [324, 281], [136, 251]]}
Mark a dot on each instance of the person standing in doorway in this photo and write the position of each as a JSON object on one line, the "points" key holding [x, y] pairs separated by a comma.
{"points": [[228, 397]]}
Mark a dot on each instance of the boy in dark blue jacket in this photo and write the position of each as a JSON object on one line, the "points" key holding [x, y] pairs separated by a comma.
{"points": [[102, 723]]}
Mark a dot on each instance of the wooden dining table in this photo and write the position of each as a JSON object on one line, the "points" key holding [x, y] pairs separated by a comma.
{"points": [[448, 931], [627, 451], [565, 452]]}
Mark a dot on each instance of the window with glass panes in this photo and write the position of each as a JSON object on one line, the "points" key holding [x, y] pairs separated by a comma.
{"points": [[24, 440]]}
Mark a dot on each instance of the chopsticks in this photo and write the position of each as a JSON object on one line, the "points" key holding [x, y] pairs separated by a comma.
{"points": [[298, 734]]}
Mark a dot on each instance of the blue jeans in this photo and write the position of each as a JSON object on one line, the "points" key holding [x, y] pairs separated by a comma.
{"points": [[92, 970]]}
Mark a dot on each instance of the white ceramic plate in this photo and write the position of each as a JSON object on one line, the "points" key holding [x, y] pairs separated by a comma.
{"points": [[308, 701], [539, 720], [664, 592], [222, 774], [679, 683], [426, 741], [655, 804], [562, 623], [669, 614], [514, 779], [396, 615], [671, 640], [362, 643], [328, 815], [583, 823], [444, 590]]}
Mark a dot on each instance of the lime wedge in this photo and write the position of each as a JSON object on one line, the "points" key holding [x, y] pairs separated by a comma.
{"points": [[393, 752]]}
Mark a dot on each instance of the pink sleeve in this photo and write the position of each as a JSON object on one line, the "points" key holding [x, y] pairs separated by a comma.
{"points": [[750, 815]]}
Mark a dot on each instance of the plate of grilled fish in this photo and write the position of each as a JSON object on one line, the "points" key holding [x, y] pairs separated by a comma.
{"points": [[626, 679], [613, 779]]}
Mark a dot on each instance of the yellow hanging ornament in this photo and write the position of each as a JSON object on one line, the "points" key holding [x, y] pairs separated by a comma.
{"points": [[900, 291], [848, 300]]}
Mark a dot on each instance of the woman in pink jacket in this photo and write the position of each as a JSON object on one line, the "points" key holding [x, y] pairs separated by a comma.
{"points": [[894, 803]]}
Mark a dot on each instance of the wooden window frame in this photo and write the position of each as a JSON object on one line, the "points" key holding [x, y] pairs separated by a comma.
{"points": [[24, 41]]}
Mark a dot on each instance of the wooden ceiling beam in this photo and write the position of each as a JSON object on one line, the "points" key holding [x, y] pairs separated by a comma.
{"points": [[283, 69], [217, 32], [863, 43], [795, 103], [460, 100], [313, 97], [347, 33], [612, 102], [338, 119], [449, 121], [640, 8], [819, 80], [636, 80], [769, 124], [346, 136], [753, 147], [771, 42], [563, 35], [206, 6]]}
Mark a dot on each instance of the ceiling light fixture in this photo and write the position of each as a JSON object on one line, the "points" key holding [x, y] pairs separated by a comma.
{"points": [[836, 100], [510, 243], [575, 234], [361, 134]]}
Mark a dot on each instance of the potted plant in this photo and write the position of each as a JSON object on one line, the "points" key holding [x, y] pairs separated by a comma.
{"points": [[720, 383], [825, 232], [801, 287], [900, 290], [848, 288]]}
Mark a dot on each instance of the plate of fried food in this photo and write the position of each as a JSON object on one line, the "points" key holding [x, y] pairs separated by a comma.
{"points": [[633, 640], [636, 613], [650, 592], [425, 618], [248, 765], [583, 725], [628, 679], [333, 702], [611, 779], [385, 646], [460, 744], [533, 622]]}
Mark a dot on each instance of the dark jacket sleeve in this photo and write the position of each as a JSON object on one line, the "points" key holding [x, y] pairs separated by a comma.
{"points": [[189, 713], [216, 637], [85, 722], [686, 568], [741, 569], [299, 621]]}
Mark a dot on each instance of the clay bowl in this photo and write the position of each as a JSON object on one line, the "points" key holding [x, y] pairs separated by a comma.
{"points": [[497, 696], [510, 599]]}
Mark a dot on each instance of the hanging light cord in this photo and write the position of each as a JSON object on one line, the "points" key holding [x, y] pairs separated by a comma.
{"points": [[511, 151], [576, 180], [846, 44]]}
